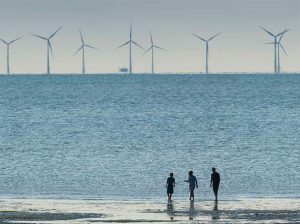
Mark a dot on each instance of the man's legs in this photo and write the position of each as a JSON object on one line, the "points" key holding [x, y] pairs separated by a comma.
{"points": [[216, 188], [192, 193]]}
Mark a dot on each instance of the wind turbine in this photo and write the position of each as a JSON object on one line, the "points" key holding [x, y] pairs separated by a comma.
{"points": [[206, 50], [49, 47], [152, 51], [7, 52], [82, 47], [130, 42], [279, 45], [276, 47]]}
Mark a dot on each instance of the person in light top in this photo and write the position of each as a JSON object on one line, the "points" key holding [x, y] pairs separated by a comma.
{"points": [[192, 180]]}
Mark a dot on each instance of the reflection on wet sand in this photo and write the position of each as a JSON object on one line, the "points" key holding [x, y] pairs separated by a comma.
{"points": [[191, 210], [170, 210], [251, 211], [215, 212]]}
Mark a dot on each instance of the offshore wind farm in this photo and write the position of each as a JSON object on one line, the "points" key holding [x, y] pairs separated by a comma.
{"points": [[131, 111], [276, 42]]}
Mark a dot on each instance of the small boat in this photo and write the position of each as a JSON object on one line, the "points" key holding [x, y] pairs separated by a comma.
{"points": [[123, 70]]}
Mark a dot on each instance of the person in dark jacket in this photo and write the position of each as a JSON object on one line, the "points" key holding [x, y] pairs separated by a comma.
{"points": [[215, 182]]}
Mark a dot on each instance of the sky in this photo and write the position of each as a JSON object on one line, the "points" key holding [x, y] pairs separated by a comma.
{"points": [[105, 24]]}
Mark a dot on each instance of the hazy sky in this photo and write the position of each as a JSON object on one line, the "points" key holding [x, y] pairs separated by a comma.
{"points": [[105, 25]]}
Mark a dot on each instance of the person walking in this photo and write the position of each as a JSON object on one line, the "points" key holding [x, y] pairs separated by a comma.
{"points": [[170, 186], [192, 180], [215, 182]]}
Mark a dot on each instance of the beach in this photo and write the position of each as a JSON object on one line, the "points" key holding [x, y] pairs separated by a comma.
{"points": [[242, 210]]}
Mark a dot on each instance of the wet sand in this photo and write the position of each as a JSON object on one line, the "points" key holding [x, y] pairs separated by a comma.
{"points": [[245, 210]]}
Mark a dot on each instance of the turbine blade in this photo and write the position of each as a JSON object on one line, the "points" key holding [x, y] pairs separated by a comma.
{"points": [[283, 32], [82, 41], [55, 32], [280, 38], [91, 46], [3, 41], [14, 40], [44, 38], [78, 50], [138, 45], [123, 44], [199, 37], [130, 32], [50, 47], [213, 36], [267, 31], [148, 50], [151, 38], [283, 49], [160, 48]]}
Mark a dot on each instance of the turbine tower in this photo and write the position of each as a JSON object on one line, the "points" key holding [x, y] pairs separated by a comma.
{"points": [[130, 42], [276, 47], [49, 47], [152, 51], [278, 52], [82, 47], [7, 52], [206, 49]]}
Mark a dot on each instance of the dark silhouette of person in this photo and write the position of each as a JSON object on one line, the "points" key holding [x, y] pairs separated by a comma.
{"points": [[215, 182], [170, 186], [192, 184]]}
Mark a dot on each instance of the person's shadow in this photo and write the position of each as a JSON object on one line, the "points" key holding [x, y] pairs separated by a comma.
{"points": [[170, 210], [191, 210], [215, 212]]}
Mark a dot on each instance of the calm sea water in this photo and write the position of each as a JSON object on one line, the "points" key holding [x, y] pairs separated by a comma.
{"points": [[111, 135]]}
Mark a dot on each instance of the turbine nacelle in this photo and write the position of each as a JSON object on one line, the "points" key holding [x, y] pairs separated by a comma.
{"points": [[83, 44], [10, 42], [153, 46], [52, 35], [271, 34], [207, 39]]}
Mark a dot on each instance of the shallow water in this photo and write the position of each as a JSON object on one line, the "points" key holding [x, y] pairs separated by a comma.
{"points": [[112, 136]]}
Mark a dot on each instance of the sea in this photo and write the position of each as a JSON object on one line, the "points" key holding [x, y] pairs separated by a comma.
{"points": [[119, 136]]}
